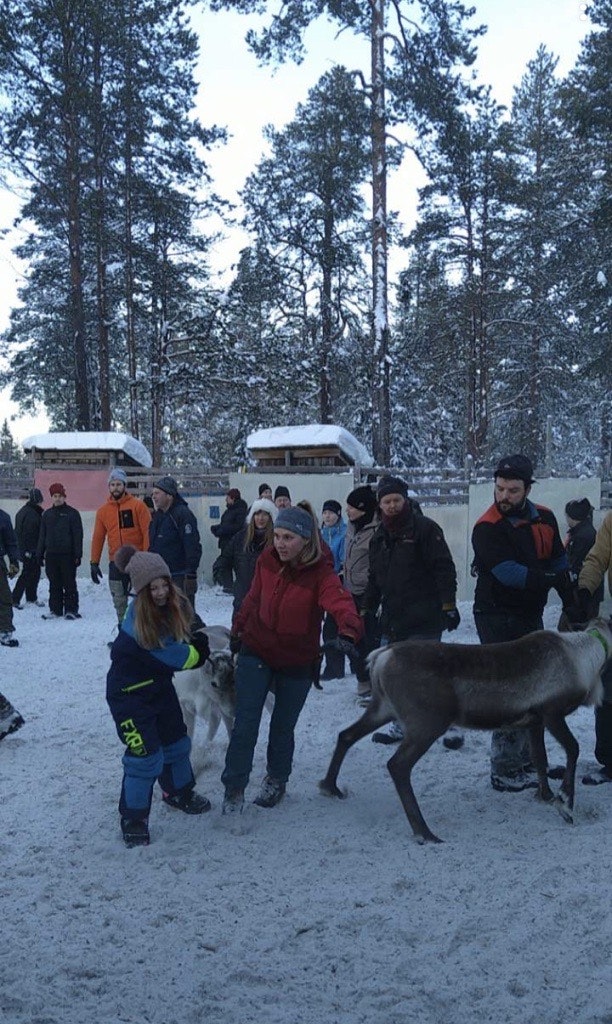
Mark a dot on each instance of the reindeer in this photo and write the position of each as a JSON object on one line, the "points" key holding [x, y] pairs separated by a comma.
{"points": [[534, 682]]}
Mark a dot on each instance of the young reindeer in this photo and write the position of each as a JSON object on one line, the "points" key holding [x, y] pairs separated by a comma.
{"points": [[534, 682]]}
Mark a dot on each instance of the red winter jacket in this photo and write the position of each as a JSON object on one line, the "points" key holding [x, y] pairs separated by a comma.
{"points": [[280, 618]]}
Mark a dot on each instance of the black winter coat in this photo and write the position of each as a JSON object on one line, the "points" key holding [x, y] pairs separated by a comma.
{"points": [[412, 575], [242, 561], [175, 536], [61, 533], [27, 528], [8, 540], [580, 540], [230, 523]]}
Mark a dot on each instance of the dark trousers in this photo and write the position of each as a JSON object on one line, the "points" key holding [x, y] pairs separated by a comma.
{"points": [[150, 723], [63, 593], [510, 750], [368, 643], [253, 680], [603, 721], [222, 574], [28, 580], [334, 660], [6, 601]]}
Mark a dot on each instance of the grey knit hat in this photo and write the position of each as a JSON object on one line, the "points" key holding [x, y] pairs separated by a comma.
{"points": [[167, 484], [117, 473], [141, 566], [296, 520]]}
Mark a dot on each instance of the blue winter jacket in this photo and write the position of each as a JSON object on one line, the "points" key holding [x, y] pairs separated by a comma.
{"points": [[175, 536], [135, 669], [335, 536]]}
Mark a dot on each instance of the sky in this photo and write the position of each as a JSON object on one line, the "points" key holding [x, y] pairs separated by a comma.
{"points": [[235, 92]]}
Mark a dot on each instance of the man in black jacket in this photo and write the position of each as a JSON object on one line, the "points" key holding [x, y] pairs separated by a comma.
{"points": [[518, 557], [8, 548], [174, 535], [27, 528], [412, 578], [60, 549], [230, 524]]}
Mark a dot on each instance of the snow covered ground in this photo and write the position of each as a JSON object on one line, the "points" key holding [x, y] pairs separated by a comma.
{"points": [[318, 911]]}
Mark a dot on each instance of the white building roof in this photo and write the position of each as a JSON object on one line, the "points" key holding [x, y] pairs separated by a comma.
{"points": [[310, 435], [90, 440]]}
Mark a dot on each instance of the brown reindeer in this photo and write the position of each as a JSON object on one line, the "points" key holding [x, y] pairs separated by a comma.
{"points": [[534, 682]]}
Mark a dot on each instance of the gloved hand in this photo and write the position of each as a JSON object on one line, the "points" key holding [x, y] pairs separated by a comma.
{"points": [[199, 640], [77, 562], [344, 645], [215, 530], [191, 585], [13, 569], [235, 643], [452, 619], [96, 574]]}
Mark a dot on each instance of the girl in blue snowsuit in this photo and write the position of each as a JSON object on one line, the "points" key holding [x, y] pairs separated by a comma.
{"points": [[152, 644], [333, 532]]}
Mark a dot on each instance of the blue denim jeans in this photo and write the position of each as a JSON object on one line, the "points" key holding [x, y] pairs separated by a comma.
{"points": [[254, 678]]}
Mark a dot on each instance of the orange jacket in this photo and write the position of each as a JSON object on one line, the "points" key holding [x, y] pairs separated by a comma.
{"points": [[121, 522]]}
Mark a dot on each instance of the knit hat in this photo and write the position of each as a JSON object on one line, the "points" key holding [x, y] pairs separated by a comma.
{"points": [[579, 509], [264, 487], [167, 484], [391, 485], [515, 467], [362, 498], [263, 505], [282, 492], [234, 493], [332, 506], [296, 520], [117, 474], [36, 496], [141, 566], [57, 489]]}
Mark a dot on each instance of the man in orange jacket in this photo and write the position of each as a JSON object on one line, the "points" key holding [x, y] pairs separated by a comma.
{"points": [[122, 519]]}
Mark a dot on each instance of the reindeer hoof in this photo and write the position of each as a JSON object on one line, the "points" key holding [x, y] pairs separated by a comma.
{"points": [[427, 837], [564, 810], [330, 789]]}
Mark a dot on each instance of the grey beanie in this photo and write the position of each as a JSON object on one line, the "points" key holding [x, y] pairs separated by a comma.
{"points": [[167, 484], [117, 473], [141, 566], [296, 520]]}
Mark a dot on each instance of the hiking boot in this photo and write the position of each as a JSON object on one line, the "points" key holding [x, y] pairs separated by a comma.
{"points": [[453, 738], [364, 700], [513, 782], [135, 832], [8, 640], [71, 616], [330, 673], [233, 801], [597, 777], [190, 802], [394, 734], [18, 606], [271, 793], [10, 719], [557, 771]]}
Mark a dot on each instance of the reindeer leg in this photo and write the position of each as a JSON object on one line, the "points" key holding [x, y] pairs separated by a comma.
{"points": [[372, 718], [540, 760], [400, 767], [558, 727]]}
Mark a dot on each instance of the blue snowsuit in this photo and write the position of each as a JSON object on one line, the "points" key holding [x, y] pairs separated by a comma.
{"points": [[148, 718]]}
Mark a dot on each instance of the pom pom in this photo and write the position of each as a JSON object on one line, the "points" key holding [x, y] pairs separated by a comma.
{"points": [[123, 556]]}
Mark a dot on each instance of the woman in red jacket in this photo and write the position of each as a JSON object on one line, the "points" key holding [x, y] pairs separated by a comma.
{"points": [[278, 628]]}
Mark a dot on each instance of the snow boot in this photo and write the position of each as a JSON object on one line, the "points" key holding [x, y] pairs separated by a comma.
{"points": [[597, 777], [10, 719], [233, 801], [453, 738], [394, 734], [271, 793], [188, 801], [135, 832], [8, 640]]}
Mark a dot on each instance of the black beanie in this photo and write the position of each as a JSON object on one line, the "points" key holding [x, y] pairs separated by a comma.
{"points": [[579, 509], [332, 506], [515, 467], [391, 485], [282, 492], [36, 496], [363, 499]]}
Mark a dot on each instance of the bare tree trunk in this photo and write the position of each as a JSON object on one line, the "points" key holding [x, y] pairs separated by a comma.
{"points": [[102, 415], [325, 404], [381, 430], [128, 229]]}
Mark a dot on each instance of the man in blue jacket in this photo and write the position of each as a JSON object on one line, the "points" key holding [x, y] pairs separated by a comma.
{"points": [[174, 535]]}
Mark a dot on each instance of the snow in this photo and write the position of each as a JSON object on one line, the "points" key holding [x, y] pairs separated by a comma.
{"points": [[315, 912], [310, 435], [90, 440]]}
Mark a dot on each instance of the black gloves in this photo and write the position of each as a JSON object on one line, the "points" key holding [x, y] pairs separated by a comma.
{"points": [[94, 569], [191, 585], [344, 645], [582, 608], [235, 643], [452, 619], [12, 571], [200, 642]]}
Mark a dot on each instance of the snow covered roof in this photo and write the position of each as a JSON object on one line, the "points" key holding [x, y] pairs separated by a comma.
{"points": [[91, 441], [310, 435]]}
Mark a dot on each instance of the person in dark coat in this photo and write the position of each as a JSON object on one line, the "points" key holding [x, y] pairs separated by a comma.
{"points": [[518, 557], [60, 549], [231, 522], [27, 528], [174, 534], [411, 577], [333, 532], [241, 554], [579, 540], [10, 550], [361, 511], [154, 641]]}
